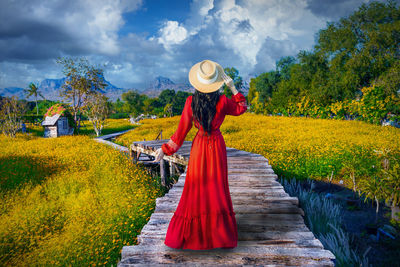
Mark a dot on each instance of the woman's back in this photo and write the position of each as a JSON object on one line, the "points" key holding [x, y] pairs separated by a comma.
{"points": [[225, 106]]}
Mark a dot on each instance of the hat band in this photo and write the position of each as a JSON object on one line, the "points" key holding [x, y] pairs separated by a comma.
{"points": [[208, 81]]}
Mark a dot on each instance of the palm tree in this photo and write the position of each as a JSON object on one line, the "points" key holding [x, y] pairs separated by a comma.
{"points": [[34, 90]]}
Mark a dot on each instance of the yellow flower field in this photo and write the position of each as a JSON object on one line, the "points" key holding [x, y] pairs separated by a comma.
{"points": [[295, 146], [69, 201], [73, 201]]}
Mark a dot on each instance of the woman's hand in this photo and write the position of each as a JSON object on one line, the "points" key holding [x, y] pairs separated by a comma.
{"points": [[159, 155], [229, 82]]}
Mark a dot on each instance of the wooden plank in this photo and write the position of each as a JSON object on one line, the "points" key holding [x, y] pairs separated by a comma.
{"points": [[243, 227], [249, 177], [244, 184], [109, 136], [148, 260], [252, 251], [250, 200], [284, 218], [247, 209]]}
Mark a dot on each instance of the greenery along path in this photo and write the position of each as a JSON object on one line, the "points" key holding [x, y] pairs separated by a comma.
{"points": [[271, 228]]}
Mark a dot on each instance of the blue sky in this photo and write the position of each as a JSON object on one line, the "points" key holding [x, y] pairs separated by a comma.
{"points": [[152, 14], [138, 40]]}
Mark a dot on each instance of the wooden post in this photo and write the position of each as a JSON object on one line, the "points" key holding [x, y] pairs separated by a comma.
{"points": [[131, 153], [162, 171], [172, 168], [159, 136]]}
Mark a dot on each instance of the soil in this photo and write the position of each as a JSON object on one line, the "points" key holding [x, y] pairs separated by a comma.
{"points": [[356, 216]]}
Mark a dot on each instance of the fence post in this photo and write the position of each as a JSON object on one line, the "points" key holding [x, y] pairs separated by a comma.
{"points": [[172, 168], [162, 171]]}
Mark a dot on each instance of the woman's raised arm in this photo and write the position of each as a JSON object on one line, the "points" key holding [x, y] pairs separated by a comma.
{"points": [[236, 105]]}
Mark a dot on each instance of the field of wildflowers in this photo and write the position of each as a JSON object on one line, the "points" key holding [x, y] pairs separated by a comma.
{"points": [[73, 201], [69, 201], [297, 147]]}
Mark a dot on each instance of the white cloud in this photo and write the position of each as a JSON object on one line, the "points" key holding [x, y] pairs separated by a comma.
{"points": [[202, 7], [68, 26], [243, 29], [172, 33], [249, 35]]}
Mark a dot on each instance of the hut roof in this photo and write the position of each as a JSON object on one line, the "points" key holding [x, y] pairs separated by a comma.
{"points": [[55, 112], [56, 109], [50, 121]]}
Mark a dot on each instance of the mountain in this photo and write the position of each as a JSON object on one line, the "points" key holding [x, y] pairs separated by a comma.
{"points": [[11, 91], [161, 83], [51, 88]]}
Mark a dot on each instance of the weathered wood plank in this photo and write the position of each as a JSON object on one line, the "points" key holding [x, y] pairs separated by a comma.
{"points": [[270, 183], [244, 236], [226, 255], [262, 218], [177, 194], [243, 227], [249, 200], [247, 209]]}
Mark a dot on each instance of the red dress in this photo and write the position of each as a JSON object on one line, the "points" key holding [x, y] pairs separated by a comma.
{"points": [[204, 217]]}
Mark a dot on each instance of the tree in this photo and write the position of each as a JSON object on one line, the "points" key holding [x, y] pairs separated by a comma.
{"points": [[283, 66], [166, 96], [178, 102], [11, 112], [362, 48], [82, 80], [134, 102], [168, 109], [33, 89], [265, 84], [237, 80], [96, 109]]}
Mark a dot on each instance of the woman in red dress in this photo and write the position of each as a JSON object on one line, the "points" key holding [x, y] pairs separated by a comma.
{"points": [[204, 217]]}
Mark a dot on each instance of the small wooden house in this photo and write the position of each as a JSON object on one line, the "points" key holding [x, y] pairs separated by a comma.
{"points": [[57, 124]]}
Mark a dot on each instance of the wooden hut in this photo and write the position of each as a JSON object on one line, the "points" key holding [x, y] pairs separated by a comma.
{"points": [[56, 122]]}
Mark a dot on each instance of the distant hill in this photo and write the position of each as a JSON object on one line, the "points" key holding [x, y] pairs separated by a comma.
{"points": [[161, 83], [50, 88]]}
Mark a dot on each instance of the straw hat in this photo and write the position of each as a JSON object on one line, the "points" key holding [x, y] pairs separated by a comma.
{"points": [[205, 76]]}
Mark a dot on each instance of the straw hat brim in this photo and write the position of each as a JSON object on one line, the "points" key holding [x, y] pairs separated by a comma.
{"points": [[205, 88]]}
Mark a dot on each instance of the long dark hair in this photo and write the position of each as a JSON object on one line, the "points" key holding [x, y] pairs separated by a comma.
{"points": [[204, 108]]}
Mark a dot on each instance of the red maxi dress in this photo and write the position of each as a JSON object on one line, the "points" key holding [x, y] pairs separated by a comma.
{"points": [[204, 217]]}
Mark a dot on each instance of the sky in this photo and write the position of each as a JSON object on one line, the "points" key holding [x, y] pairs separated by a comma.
{"points": [[135, 41]]}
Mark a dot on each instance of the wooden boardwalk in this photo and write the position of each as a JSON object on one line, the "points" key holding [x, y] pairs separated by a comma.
{"points": [[270, 224]]}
